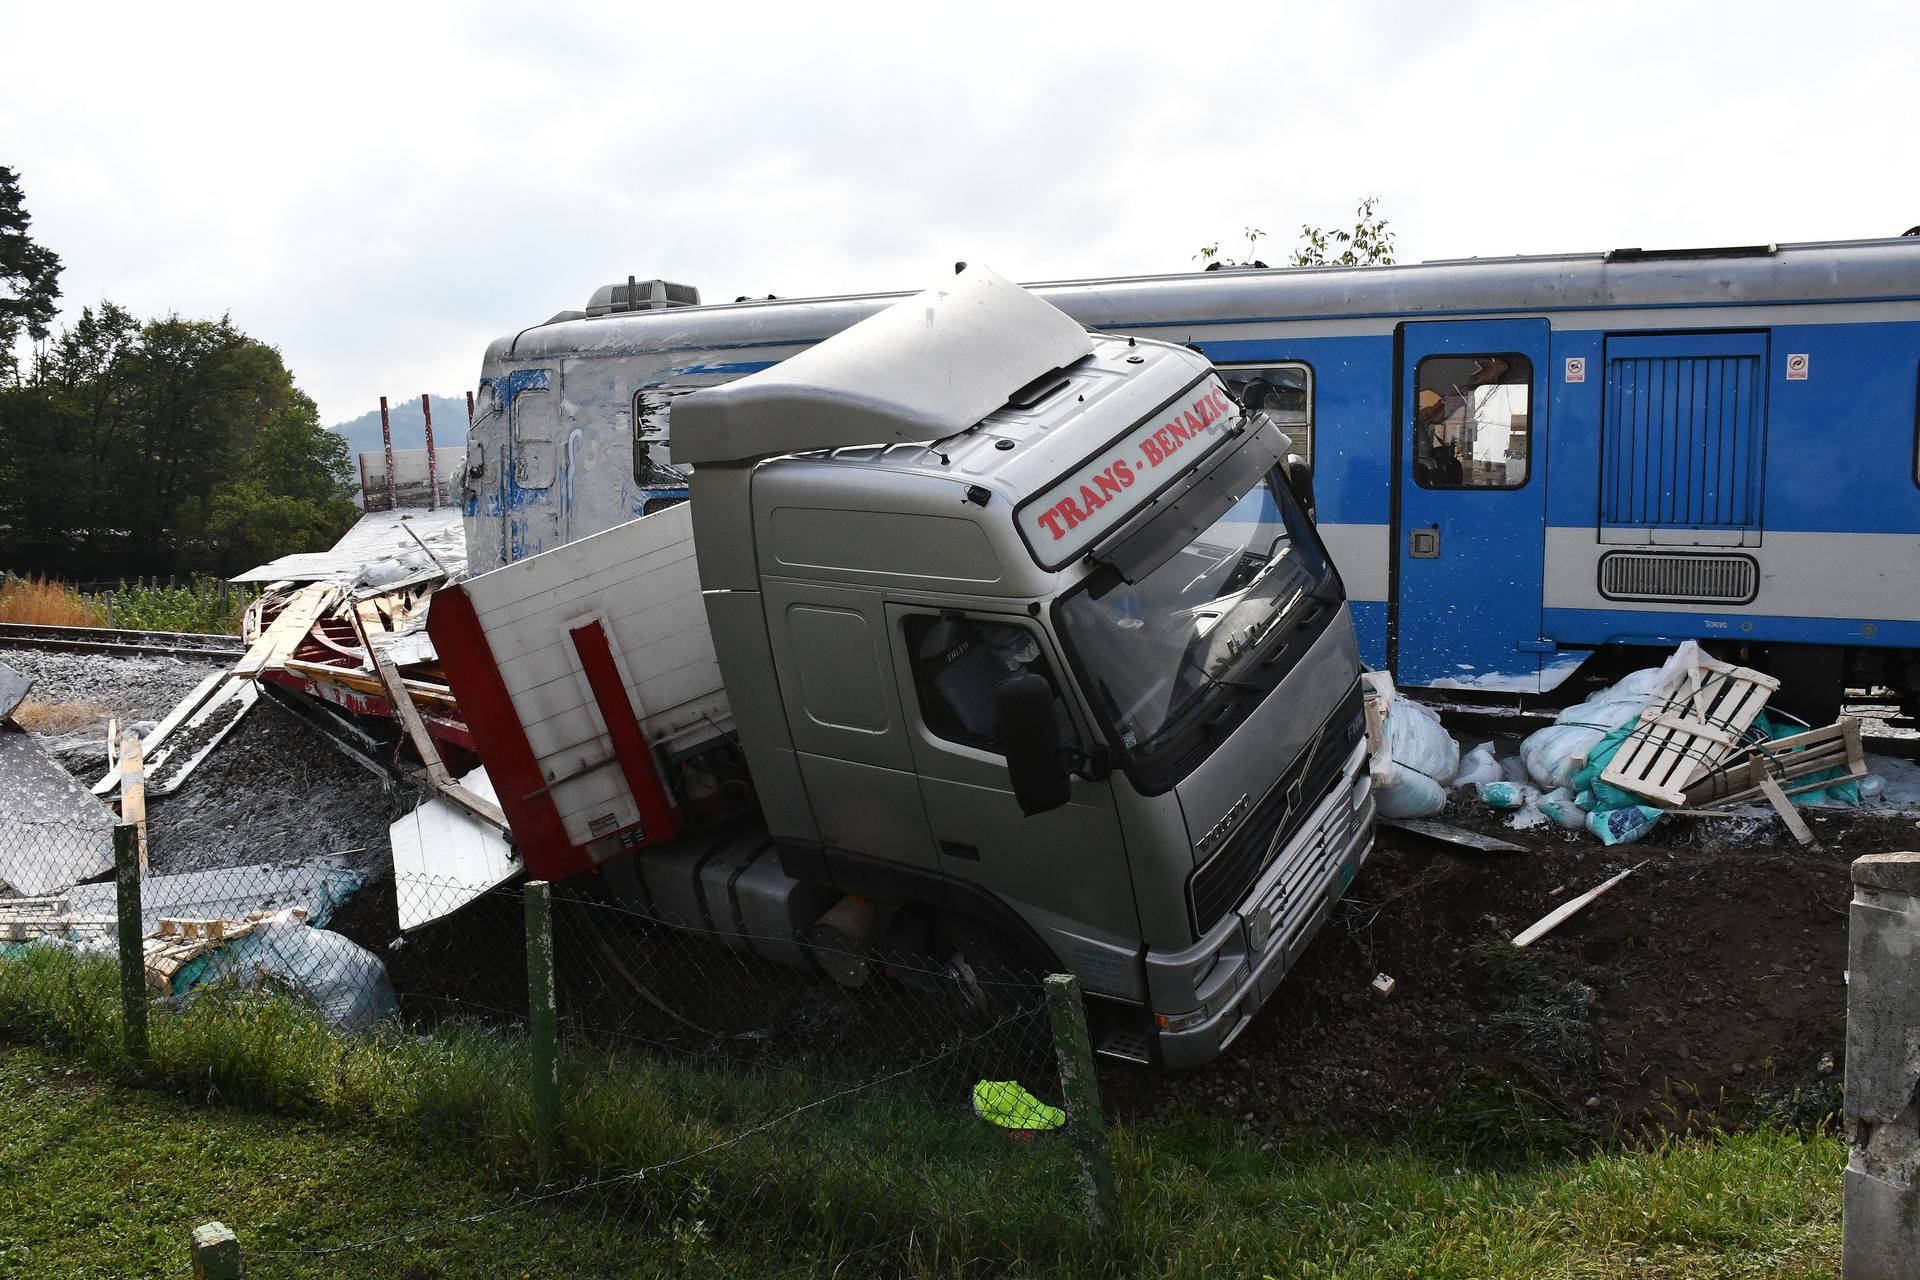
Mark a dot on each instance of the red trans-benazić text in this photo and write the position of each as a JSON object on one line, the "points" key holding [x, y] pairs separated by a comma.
{"points": [[1200, 418]]}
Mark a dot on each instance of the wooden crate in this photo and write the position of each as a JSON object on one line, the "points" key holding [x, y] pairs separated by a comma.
{"points": [[1791, 763], [1700, 720]]}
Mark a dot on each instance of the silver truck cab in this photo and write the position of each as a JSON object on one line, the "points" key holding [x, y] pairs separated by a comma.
{"points": [[1079, 671]]}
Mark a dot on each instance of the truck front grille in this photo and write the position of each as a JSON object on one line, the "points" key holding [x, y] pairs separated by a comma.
{"points": [[1224, 879]]}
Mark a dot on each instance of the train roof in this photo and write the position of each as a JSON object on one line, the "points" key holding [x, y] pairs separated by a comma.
{"points": [[1883, 270]]}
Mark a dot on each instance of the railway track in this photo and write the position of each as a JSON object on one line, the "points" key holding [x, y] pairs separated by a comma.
{"points": [[170, 644]]}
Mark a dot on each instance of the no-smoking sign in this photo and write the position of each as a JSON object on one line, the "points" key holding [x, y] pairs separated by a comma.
{"points": [[1796, 368], [1576, 368]]}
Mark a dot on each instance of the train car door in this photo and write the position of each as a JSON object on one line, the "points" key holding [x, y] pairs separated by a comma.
{"points": [[1472, 504]]}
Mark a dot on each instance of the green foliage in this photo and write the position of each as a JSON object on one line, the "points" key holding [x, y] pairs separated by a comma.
{"points": [[29, 275], [167, 447], [1368, 244], [203, 604], [1210, 253]]}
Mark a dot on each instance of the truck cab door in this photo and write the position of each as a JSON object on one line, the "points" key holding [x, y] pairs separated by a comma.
{"points": [[1069, 861]]}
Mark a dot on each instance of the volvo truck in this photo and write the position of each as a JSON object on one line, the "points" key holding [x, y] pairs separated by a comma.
{"points": [[978, 636]]}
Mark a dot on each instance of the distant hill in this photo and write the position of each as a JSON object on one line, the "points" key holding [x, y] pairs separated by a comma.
{"points": [[409, 426]]}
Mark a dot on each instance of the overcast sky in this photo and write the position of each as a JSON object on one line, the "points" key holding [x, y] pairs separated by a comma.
{"points": [[381, 190]]}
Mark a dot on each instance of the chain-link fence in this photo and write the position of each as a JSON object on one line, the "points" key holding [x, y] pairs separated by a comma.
{"points": [[761, 1102]]}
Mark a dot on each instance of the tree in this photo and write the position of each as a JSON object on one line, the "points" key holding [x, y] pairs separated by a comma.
{"points": [[174, 446], [29, 276], [1369, 244]]}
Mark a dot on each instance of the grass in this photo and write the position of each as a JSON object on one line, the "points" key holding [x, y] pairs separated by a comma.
{"points": [[199, 605], [299, 1139], [58, 717], [44, 602]]}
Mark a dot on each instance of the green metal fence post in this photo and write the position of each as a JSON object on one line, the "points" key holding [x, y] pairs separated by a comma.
{"points": [[216, 1253], [1080, 1094], [133, 962], [541, 1021]]}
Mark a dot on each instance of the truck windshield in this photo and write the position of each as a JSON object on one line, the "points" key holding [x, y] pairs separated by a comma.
{"points": [[1167, 658]]}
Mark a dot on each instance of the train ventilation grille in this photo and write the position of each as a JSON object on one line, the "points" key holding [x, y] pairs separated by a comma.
{"points": [[1631, 575]]}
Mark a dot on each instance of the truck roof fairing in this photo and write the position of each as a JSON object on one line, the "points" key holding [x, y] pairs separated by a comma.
{"points": [[926, 367]]}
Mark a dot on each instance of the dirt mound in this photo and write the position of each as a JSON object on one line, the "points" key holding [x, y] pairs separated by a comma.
{"points": [[1707, 988]]}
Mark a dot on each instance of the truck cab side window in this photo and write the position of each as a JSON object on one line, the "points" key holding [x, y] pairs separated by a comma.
{"points": [[1472, 422], [958, 662]]}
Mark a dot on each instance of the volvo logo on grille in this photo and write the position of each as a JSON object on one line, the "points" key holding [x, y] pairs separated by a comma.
{"points": [[1218, 831]]}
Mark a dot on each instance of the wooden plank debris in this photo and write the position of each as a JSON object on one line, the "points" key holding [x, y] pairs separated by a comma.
{"points": [[205, 729], [133, 792], [1793, 764], [157, 736], [409, 717], [436, 695], [1796, 825], [284, 634], [1560, 914], [1700, 719]]}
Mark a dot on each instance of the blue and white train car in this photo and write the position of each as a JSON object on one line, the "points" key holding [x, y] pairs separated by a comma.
{"points": [[1518, 463]]}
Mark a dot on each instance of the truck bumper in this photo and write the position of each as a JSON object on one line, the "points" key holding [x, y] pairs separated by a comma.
{"points": [[1234, 970]]}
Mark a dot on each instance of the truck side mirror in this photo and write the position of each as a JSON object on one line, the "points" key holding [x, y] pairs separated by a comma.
{"points": [[1300, 480], [1030, 736]]}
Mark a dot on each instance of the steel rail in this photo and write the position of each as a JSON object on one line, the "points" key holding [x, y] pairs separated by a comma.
{"points": [[128, 643]]}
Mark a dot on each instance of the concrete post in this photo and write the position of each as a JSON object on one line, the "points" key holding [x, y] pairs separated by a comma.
{"points": [[1080, 1096], [216, 1253], [1882, 1225]]}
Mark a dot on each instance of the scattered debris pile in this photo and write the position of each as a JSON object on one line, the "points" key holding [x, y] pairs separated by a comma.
{"points": [[251, 848], [1690, 738]]}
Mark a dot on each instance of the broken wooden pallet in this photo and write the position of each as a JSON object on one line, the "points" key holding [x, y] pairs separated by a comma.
{"points": [[1699, 720], [179, 941], [1793, 764]]}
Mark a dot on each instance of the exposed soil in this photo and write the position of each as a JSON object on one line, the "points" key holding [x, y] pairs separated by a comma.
{"points": [[1706, 988]]}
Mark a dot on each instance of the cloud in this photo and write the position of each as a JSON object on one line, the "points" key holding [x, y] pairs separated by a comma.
{"points": [[379, 191]]}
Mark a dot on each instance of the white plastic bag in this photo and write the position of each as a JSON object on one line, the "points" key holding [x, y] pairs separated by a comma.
{"points": [[1478, 766], [1419, 757], [1554, 754]]}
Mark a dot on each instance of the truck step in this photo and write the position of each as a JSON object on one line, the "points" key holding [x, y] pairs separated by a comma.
{"points": [[1128, 1046]]}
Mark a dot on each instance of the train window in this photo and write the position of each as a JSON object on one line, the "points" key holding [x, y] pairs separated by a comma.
{"points": [[1472, 419], [652, 448], [1284, 392]]}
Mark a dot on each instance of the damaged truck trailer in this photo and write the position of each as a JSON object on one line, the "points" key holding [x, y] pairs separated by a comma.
{"points": [[981, 638]]}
